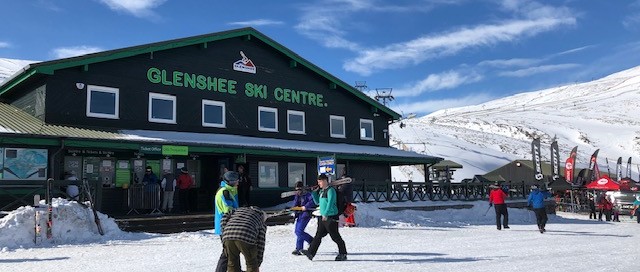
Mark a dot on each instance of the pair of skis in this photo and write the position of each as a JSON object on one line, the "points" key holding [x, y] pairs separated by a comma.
{"points": [[37, 239], [333, 183], [39, 213], [96, 219]]}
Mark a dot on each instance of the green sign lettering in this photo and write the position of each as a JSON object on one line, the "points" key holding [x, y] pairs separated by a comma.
{"points": [[179, 150], [229, 86]]}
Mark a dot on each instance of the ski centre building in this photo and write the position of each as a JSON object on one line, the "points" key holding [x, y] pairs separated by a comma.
{"points": [[206, 103]]}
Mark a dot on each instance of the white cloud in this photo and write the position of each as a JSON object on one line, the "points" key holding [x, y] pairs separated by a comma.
{"points": [[539, 70], [138, 8], [74, 51], [435, 82], [631, 21], [259, 22], [504, 63], [428, 106], [421, 49], [4, 45], [323, 20]]}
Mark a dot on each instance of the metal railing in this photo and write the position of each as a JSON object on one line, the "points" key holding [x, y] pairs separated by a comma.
{"points": [[420, 191], [16, 193], [143, 197]]}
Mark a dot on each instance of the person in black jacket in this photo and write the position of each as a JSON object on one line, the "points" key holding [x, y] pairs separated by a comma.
{"points": [[244, 187], [243, 232]]}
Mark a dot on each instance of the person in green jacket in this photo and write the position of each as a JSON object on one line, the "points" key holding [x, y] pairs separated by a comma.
{"points": [[326, 198]]}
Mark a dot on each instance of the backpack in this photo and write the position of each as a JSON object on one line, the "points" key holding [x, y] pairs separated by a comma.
{"points": [[344, 197]]}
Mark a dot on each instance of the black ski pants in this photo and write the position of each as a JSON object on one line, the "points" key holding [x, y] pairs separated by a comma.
{"points": [[541, 217], [501, 211], [327, 227]]}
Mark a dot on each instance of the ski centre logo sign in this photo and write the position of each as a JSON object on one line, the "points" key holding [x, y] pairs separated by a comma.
{"points": [[244, 65]]}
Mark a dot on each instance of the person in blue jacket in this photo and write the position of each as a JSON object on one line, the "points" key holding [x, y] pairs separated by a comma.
{"points": [[536, 201], [226, 200], [303, 200]]}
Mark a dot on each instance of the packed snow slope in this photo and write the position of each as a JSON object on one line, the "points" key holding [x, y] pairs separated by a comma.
{"points": [[451, 240], [601, 114]]}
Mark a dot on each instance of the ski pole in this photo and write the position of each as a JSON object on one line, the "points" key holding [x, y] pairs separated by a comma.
{"points": [[485, 213]]}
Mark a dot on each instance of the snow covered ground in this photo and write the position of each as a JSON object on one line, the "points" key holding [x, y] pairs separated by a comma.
{"points": [[447, 240]]}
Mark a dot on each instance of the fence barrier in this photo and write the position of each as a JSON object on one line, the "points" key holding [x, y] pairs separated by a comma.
{"points": [[143, 197], [420, 191]]}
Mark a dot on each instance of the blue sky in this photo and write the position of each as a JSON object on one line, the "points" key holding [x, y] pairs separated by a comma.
{"points": [[432, 54]]}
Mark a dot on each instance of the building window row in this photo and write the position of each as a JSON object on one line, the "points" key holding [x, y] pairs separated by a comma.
{"points": [[103, 102]]}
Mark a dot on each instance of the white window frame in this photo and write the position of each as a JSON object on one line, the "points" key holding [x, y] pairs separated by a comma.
{"points": [[265, 167], [298, 113], [171, 98], [362, 136], [292, 181], [224, 113], [267, 109], [116, 91], [341, 118]]}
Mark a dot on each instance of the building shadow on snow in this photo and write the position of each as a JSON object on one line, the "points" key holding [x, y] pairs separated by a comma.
{"points": [[32, 260], [405, 257]]}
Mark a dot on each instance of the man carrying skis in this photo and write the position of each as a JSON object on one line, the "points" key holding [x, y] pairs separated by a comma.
{"points": [[536, 201], [326, 197], [496, 199]]}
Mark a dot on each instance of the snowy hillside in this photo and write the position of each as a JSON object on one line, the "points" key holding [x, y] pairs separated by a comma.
{"points": [[602, 114], [10, 66]]}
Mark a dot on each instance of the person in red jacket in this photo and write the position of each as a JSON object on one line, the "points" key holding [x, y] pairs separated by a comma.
{"points": [[496, 199], [184, 182]]}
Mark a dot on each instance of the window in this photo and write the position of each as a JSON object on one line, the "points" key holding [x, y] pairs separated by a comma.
{"points": [[267, 119], [267, 174], [366, 129], [336, 125], [295, 122], [162, 108], [103, 102], [297, 172], [213, 114]]}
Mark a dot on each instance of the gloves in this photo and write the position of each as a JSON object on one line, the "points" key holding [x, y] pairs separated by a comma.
{"points": [[490, 204]]}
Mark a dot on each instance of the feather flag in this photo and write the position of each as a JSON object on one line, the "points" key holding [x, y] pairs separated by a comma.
{"points": [[570, 164], [537, 164]]}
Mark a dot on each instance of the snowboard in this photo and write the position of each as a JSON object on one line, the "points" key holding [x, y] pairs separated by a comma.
{"points": [[333, 183]]}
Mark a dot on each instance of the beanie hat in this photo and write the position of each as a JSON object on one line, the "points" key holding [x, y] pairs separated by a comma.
{"points": [[231, 178]]}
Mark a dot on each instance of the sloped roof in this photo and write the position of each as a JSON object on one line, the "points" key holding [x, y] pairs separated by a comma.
{"points": [[16, 121], [447, 163], [49, 67], [19, 127]]}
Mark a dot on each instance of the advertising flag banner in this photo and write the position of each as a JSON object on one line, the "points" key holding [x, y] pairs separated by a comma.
{"points": [[594, 172], [536, 159], [570, 164], [555, 161]]}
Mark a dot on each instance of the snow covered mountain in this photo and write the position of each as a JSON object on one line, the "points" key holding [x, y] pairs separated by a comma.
{"points": [[601, 114], [10, 66]]}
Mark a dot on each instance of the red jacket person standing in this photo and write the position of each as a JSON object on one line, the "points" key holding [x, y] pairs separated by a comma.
{"points": [[496, 198]]}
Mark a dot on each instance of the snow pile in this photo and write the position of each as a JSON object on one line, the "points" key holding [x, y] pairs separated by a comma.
{"points": [[73, 223]]}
